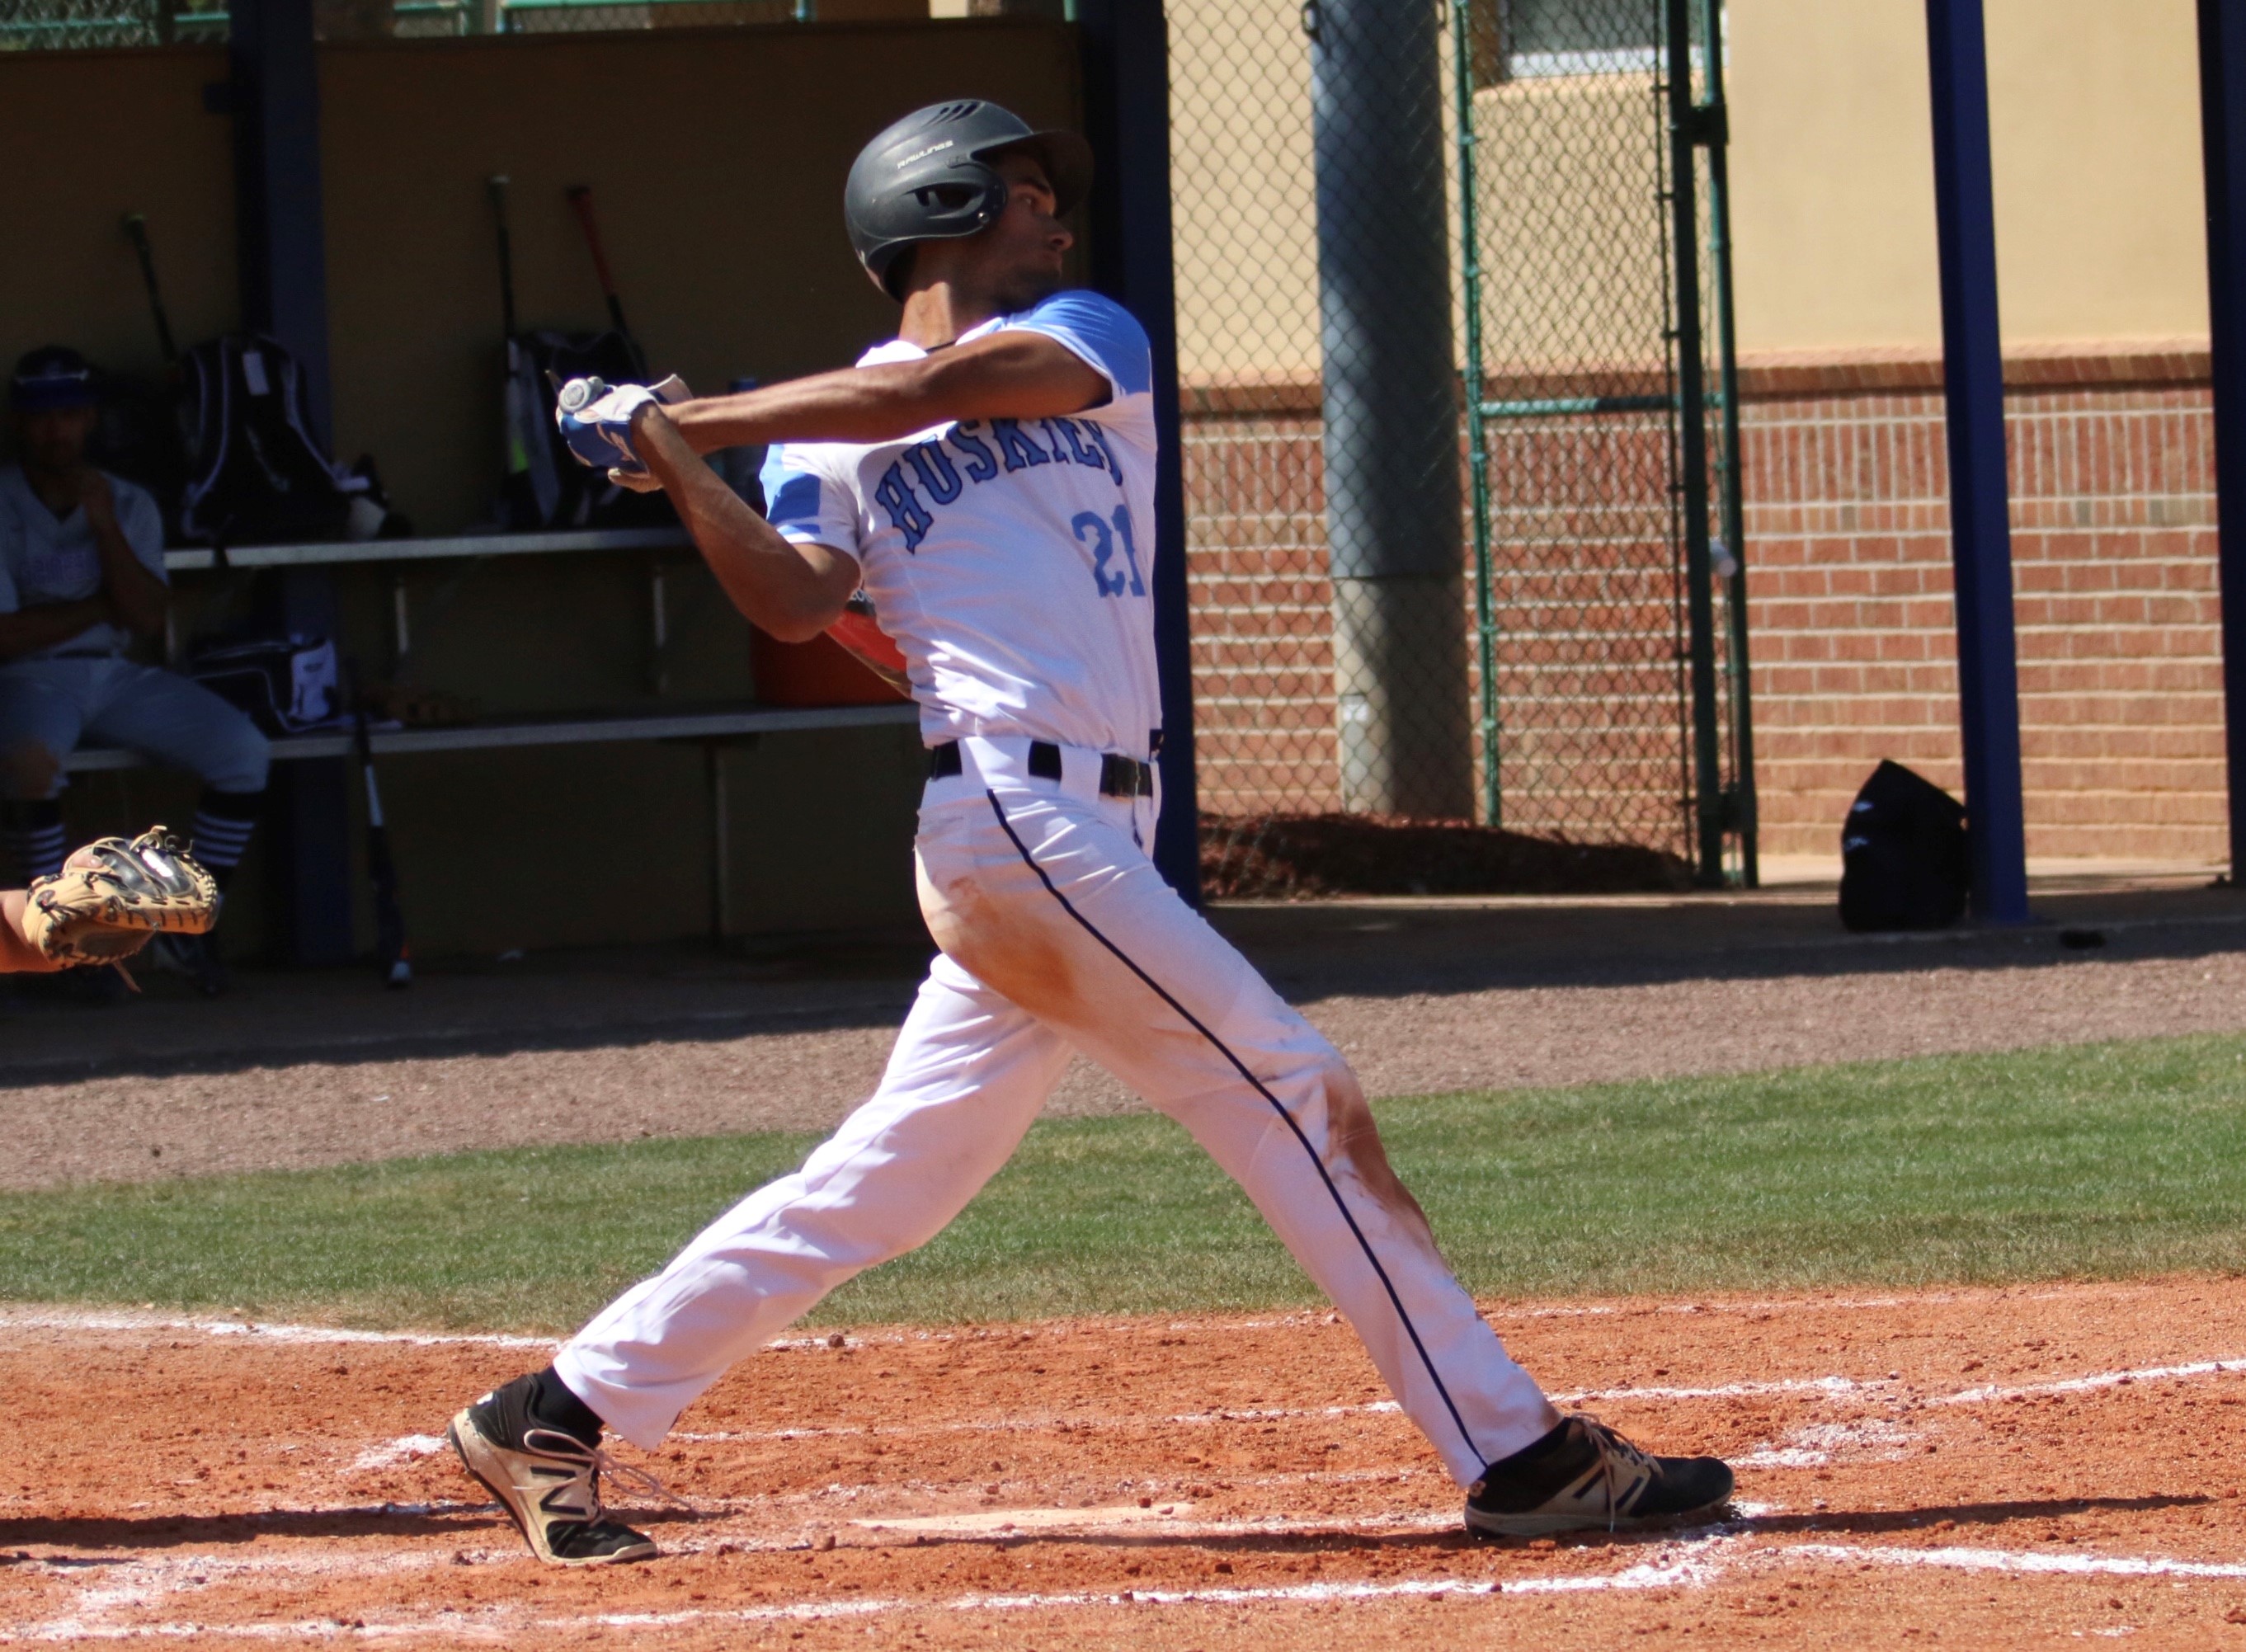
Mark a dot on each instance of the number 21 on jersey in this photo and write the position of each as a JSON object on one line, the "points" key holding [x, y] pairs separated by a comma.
{"points": [[1100, 533]]}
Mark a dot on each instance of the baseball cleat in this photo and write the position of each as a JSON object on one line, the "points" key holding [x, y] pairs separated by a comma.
{"points": [[1585, 1477], [546, 1480]]}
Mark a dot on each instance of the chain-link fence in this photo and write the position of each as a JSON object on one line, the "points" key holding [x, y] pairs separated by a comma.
{"points": [[1429, 322], [52, 25], [63, 26], [1460, 559]]}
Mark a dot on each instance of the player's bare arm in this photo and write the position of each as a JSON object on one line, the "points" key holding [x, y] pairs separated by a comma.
{"points": [[43, 625], [137, 597], [1006, 374], [793, 592]]}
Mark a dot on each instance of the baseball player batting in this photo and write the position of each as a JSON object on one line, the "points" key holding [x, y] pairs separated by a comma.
{"points": [[988, 478]]}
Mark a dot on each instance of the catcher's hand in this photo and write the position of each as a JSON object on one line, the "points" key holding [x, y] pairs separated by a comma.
{"points": [[112, 898]]}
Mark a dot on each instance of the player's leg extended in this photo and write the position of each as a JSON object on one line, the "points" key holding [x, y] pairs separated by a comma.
{"points": [[967, 1075], [1048, 899], [1054, 902]]}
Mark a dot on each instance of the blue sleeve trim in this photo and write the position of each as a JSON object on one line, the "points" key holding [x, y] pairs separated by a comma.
{"points": [[1102, 331], [791, 496]]}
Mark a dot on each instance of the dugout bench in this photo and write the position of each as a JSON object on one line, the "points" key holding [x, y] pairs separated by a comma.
{"points": [[718, 730]]}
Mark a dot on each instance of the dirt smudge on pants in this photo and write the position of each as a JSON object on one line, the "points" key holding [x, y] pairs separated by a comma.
{"points": [[1012, 955], [1353, 1148]]}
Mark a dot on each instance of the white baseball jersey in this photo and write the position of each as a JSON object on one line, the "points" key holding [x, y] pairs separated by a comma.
{"points": [[45, 558], [1009, 560]]}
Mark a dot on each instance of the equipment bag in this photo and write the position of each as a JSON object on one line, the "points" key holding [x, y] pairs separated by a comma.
{"points": [[558, 491], [257, 473], [288, 685], [1903, 864]]}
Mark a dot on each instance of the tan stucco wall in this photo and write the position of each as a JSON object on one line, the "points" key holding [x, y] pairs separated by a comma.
{"points": [[2093, 127], [1245, 225]]}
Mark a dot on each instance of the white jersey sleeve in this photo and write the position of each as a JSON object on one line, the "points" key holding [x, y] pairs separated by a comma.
{"points": [[811, 498]]}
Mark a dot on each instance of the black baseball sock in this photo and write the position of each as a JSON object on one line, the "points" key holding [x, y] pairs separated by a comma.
{"points": [[223, 823], [551, 1404], [34, 831]]}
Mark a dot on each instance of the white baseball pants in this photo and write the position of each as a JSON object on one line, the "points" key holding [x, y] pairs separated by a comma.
{"points": [[55, 703], [1057, 934]]}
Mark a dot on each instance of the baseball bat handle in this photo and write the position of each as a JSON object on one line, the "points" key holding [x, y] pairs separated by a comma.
{"points": [[136, 230]]}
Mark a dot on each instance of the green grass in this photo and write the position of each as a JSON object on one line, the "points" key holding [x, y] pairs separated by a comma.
{"points": [[2111, 1160]]}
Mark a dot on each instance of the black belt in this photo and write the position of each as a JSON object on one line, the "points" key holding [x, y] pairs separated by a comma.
{"points": [[1120, 777]]}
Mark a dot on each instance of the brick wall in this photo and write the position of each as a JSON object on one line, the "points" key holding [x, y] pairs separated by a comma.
{"points": [[2114, 595], [1262, 608], [1587, 671], [1849, 610]]}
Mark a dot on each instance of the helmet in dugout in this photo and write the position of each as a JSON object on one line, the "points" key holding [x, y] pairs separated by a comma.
{"points": [[929, 178]]}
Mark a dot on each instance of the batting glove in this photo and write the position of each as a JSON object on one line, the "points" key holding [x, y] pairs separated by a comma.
{"points": [[596, 420]]}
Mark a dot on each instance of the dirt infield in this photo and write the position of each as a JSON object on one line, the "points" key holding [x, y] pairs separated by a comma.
{"points": [[1988, 1468]]}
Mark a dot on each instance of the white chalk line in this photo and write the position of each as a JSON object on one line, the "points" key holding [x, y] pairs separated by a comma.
{"points": [[1813, 1445], [2096, 1380], [1678, 1570], [2025, 1563], [1800, 1451], [1692, 1561], [1863, 1388], [16, 1319], [395, 1453]]}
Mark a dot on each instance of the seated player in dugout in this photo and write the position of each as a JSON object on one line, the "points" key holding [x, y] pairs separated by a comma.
{"points": [[988, 478], [82, 583]]}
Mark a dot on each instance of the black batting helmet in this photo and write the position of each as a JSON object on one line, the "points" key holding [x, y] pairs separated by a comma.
{"points": [[929, 178]]}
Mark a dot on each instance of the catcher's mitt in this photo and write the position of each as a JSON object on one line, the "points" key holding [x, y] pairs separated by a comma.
{"points": [[112, 898]]}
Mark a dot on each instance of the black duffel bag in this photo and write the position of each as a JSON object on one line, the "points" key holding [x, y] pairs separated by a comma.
{"points": [[1903, 864]]}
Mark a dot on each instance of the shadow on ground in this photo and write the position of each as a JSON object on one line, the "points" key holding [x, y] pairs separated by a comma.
{"points": [[1362, 949]]}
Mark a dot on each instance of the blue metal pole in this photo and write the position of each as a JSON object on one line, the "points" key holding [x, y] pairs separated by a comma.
{"points": [[2222, 122], [1980, 528], [1126, 101], [281, 236], [280, 229]]}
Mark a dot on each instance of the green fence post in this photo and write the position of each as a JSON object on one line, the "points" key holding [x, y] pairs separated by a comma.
{"points": [[1493, 794], [1693, 438]]}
